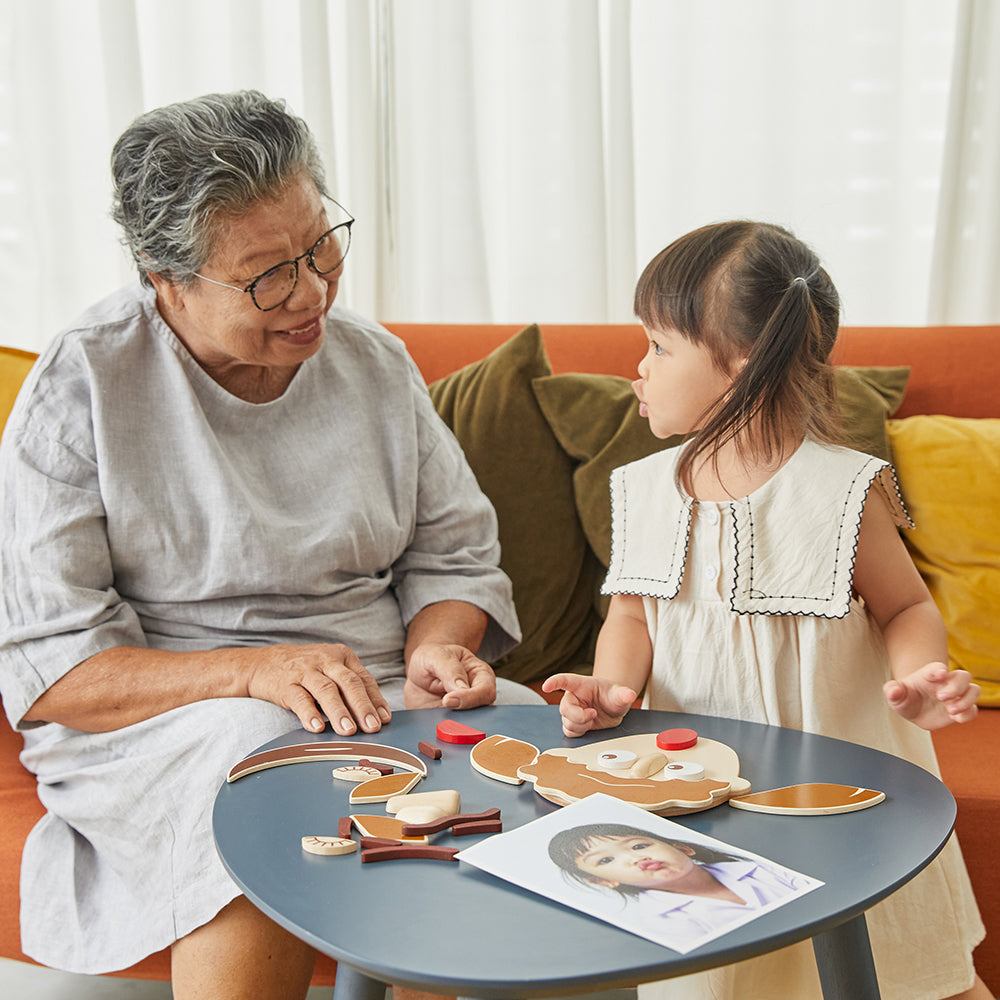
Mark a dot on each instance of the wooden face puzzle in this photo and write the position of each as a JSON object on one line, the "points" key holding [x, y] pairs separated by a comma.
{"points": [[636, 769]]}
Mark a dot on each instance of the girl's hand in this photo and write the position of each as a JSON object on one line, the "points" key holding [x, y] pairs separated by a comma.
{"points": [[589, 702], [934, 696]]}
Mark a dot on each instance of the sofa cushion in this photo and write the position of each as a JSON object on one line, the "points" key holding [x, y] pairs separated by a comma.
{"points": [[596, 419], [949, 472], [521, 467], [14, 366]]}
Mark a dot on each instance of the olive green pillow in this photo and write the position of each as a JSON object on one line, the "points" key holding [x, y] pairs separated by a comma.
{"points": [[521, 467], [596, 419]]}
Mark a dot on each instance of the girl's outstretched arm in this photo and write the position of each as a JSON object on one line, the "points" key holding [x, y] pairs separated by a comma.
{"points": [[622, 662], [923, 689]]}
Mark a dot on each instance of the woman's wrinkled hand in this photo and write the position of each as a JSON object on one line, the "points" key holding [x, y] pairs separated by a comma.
{"points": [[448, 675], [316, 680]]}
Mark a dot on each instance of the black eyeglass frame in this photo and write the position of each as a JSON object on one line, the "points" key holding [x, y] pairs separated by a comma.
{"points": [[308, 256]]}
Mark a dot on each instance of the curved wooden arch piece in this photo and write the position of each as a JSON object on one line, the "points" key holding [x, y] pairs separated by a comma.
{"points": [[299, 752]]}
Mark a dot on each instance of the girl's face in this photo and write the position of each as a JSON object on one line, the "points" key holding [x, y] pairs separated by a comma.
{"points": [[644, 862], [678, 381]]}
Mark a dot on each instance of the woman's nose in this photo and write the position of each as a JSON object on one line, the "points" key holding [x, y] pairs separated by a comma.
{"points": [[310, 289]]}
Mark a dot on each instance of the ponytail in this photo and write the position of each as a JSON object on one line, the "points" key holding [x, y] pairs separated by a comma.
{"points": [[752, 292]]}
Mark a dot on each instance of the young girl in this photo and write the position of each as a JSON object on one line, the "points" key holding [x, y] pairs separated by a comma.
{"points": [[695, 891], [757, 573]]}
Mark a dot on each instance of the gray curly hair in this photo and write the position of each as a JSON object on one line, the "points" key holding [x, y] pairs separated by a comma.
{"points": [[178, 169]]}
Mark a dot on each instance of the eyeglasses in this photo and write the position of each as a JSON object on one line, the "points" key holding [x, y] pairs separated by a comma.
{"points": [[275, 286]]}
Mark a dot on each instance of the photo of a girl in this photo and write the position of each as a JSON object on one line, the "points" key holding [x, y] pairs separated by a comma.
{"points": [[696, 890], [644, 873]]}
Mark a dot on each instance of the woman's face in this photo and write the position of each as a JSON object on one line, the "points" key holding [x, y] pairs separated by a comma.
{"points": [[221, 327], [641, 861]]}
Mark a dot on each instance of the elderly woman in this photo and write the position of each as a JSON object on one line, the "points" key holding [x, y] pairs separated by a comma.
{"points": [[229, 509]]}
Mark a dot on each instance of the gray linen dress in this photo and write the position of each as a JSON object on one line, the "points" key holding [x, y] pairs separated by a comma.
{"points": [[142, 504]]}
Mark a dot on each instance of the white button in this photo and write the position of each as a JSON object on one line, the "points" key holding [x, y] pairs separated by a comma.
{"points": [[711, 572], [712, 515]]}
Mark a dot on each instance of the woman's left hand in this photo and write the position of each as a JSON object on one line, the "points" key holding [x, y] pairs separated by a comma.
{"points": [[447, 675], [934, 696]]}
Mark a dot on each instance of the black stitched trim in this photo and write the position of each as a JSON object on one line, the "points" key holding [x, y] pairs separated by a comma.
{"points": [[619, 587], [836, 565]]}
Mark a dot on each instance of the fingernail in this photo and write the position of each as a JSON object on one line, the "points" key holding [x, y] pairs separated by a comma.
{"points": [[372, 722], [347, 725], [316, 725], [384, 714]]}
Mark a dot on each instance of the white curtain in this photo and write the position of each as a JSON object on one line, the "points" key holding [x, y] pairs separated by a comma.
{"points": [[522, 160]]}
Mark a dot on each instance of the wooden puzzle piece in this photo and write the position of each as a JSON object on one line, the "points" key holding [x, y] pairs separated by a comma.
{"points": [[299, 752], [429, 750], [446, 800], [617, 760], [384, 788], [382, 769], [413, 815], [429, 852], [426, 829], [564, 776], [500, 756], [686, 770], [329, 845], [356, 772], [676, 739], [477, 826], [810, 799], [458, 732], [387, 827]]}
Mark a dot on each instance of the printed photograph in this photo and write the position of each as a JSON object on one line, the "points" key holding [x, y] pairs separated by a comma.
{"points": [[639, 871]]}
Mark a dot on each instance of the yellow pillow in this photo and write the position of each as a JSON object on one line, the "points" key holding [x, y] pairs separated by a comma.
{"points": [[949, 472], [14, 366]]}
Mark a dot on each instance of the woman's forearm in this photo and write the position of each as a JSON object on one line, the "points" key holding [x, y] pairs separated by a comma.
{"points": [[447, 623], [127, 684]]}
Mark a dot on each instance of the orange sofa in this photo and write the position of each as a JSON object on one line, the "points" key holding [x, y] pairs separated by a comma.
{"points": [[953, 371]]}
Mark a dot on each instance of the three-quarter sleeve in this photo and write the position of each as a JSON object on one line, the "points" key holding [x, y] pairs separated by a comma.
{"points": [[57, 596], [453, 553]]}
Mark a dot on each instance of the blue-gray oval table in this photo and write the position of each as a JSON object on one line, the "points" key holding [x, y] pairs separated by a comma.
{"points": [[449, 928]]}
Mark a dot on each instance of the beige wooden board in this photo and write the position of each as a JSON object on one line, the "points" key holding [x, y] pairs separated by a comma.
{"points": [[564, 776]]}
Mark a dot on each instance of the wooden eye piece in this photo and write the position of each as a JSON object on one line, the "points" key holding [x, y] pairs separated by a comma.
{"points": [[686, 770], [617, 760]]}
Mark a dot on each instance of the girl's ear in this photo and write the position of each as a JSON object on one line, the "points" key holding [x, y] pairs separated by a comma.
{"points": [[604, 883], [684, 849]]}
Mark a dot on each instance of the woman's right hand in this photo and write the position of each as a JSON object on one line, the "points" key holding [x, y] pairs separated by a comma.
{"points": [[589, 702], [316, 680]]}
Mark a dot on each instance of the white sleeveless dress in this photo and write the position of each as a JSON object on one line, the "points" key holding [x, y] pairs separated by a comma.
{"points": [[751, 615]]}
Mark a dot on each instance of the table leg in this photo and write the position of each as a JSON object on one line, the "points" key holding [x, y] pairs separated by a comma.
{"points": [[844, 959], [352, 984]]}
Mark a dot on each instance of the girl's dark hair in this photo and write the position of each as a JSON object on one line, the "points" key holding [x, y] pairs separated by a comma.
{"points": [[750, 289], [567, 845]]}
